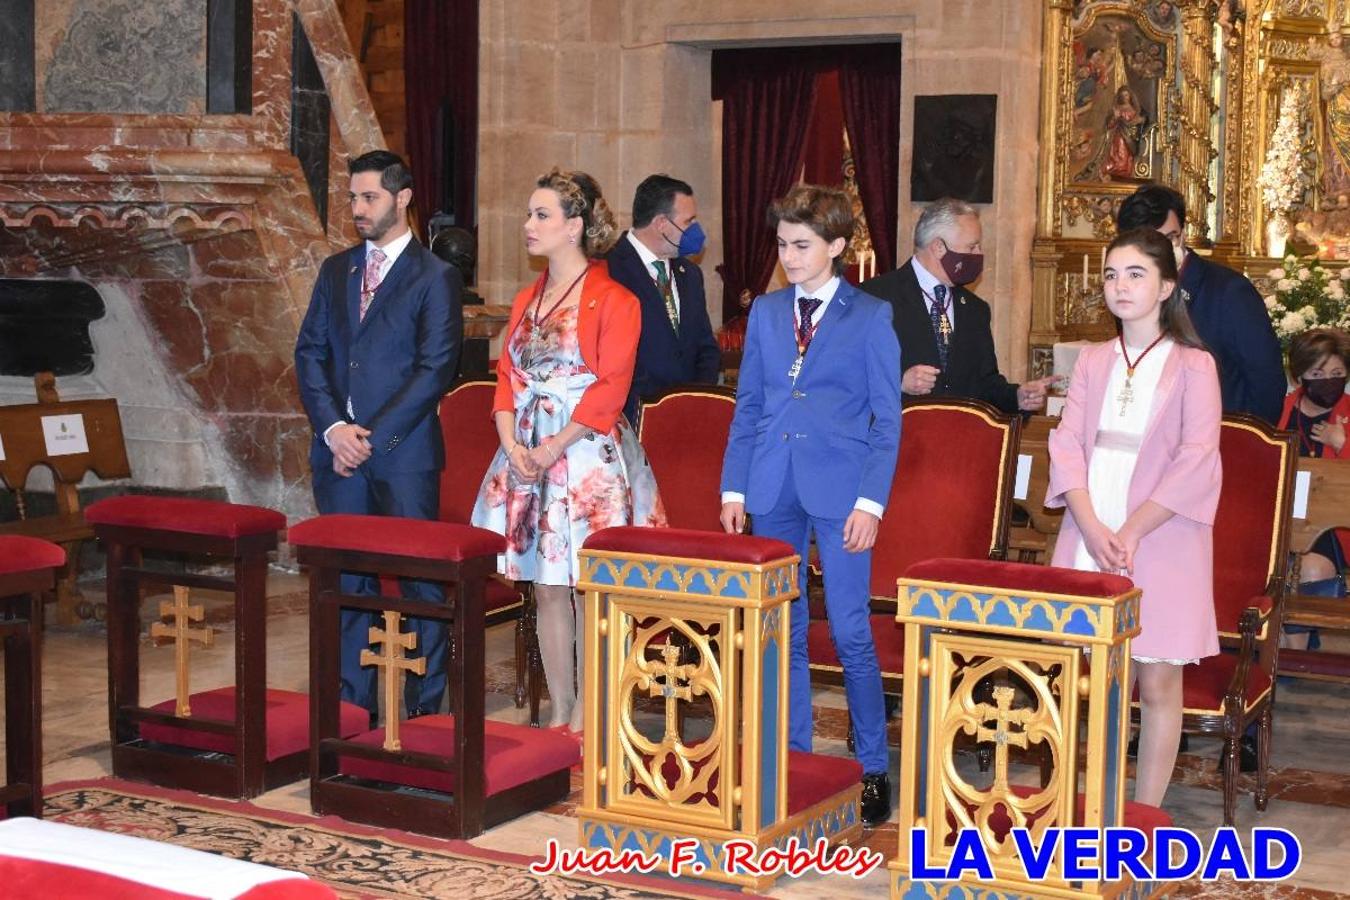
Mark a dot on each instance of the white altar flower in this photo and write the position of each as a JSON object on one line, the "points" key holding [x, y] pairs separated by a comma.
{"points": [[1293, 323], [1276, 274], [1303, 274], [1311, 298], [1284, 177], [1270, 301], [1345, 273], [1284, 284]]}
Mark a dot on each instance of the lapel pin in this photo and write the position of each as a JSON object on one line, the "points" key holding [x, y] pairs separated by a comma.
{"points": [[353, 271], [591, 305]]}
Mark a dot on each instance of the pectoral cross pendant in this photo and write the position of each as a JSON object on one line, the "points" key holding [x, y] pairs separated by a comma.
{"points": [[945, 329], [1126, 392], [796, 368]]}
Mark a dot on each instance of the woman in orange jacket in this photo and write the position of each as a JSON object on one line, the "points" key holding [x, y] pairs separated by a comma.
{"points": [[569, 463]]}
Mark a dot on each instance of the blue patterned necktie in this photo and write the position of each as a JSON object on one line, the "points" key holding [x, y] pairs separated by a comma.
{"points": [[942, 326], [806, 308]]}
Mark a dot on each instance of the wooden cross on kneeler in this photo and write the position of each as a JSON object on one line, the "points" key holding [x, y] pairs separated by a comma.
{"points": [[394, 662], [1002, 715], [671, 675], [181, 634]]}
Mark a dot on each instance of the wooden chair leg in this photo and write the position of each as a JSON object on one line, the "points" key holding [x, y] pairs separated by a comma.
{"points": [[1263, 735], [535, 665], [1230, 774], [520, 659]]}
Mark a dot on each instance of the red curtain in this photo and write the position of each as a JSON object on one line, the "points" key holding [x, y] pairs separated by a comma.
{"points": [[440, 67], [869, 85], [767, 97]]}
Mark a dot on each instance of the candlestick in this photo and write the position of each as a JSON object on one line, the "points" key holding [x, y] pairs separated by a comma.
{"points": [[1103, 258], [1085, 270]]}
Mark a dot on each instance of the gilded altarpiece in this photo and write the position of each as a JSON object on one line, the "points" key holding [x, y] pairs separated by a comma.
{"points": [[1187, 94]]}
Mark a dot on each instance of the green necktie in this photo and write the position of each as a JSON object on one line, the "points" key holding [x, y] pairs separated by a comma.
{"points": [[667, 293]]}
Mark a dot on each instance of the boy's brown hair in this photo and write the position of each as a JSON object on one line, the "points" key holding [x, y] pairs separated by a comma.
{"points": [[826, 211]]}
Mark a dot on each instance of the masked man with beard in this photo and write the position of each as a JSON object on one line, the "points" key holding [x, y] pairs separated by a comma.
{"points": [[946, 340], [376, 351]]}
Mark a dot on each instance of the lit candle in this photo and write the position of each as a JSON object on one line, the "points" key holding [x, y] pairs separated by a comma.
{"points": [[1103, 258], [1085, 270]]}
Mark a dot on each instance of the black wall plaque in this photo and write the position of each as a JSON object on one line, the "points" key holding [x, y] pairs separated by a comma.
{"points": [[954, 148], [44, 326]]}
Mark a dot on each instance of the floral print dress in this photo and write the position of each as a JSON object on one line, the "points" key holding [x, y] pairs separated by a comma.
{"points": [[598, 482]]}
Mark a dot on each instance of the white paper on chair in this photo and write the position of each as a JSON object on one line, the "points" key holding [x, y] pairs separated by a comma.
{"points": [[1054, 406], [2, 449], [1023, 482], [65, 435], [1302, 484]]}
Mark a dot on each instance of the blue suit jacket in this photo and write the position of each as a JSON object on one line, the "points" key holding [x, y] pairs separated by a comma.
{"points": [[395, 366], [664, 358], [839, 424], [1232, 321]]}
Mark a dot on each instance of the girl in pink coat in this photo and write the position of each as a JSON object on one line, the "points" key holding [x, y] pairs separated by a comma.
{"points": [[1136, 461]]}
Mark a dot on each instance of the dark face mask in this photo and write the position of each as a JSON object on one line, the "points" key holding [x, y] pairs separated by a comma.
{"points": [[1325, 392], [961, 268]]}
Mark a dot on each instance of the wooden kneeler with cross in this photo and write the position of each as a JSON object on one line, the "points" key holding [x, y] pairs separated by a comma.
{"points": [[394, 662], [181, 634]]}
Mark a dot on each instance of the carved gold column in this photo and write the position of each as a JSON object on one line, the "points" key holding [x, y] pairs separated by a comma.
{"points": [[1198, 109], [1056, 44]]}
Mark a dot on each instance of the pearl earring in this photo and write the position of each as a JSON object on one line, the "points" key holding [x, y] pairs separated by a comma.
{"points": [[571, 240]]}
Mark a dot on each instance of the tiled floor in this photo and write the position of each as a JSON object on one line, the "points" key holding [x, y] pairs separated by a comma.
{"points": [[1311, 787]]}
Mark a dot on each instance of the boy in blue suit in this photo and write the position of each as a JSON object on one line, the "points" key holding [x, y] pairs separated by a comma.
{"points": [[812, 449]]}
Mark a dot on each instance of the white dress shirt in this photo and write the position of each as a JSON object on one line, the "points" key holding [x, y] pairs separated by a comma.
{"points": [[648, 257], [392, 251], [825, 293]]}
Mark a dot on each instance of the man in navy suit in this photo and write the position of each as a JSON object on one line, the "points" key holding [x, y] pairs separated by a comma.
{"points": [[677, 345], [376, 352], [1227, 311], [812, 449]]}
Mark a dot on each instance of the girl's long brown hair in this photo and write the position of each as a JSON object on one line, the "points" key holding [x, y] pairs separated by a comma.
{"points": [[1173, 317]]}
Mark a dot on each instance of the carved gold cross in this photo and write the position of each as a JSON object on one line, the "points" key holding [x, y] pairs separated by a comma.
{"points": [[1002, 715], [394, 662], [671, 675], [181, 634], [945, 328]]}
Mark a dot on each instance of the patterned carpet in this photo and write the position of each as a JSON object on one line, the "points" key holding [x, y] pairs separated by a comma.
{"points": [[356, 862]]}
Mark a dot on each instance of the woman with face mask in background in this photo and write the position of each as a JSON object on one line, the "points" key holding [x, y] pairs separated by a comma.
{"points": [[1317, 411]]}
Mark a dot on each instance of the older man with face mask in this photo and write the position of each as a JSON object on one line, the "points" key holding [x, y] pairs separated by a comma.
{"points": [[946, 342]]}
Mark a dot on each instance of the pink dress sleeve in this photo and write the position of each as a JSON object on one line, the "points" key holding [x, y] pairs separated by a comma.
{"points": [[1190, 486], [1068, 451]]}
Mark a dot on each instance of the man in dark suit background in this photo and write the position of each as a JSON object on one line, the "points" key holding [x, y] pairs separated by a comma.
{"points": [[946, 341], [677, 345], [1227, 311], [376, 351]]}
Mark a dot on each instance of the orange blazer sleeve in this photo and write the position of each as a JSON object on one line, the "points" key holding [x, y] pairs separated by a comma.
{"points": [[504, 399], [616, 324]]}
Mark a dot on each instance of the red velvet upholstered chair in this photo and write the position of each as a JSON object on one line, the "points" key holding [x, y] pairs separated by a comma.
{"points": [[28, 567], [470, 443], [1224, 694], [951, 497], [684, 431]]}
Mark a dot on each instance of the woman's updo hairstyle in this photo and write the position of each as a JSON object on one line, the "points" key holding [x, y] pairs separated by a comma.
{"points": [[579, 196]]}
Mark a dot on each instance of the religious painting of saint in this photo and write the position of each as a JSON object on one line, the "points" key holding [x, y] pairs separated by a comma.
{"points": [[1119, 71], [1162, 13], [1334, 76]]}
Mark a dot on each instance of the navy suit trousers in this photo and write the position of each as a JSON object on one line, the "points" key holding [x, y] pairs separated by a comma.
{"points": [[411, 495]]}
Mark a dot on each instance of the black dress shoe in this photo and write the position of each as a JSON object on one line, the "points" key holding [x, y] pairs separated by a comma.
{"points": [[876, 799]]}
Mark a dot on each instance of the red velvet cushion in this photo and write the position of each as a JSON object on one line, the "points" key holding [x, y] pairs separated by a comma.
{"points": [[497, 594], [1020, 577], [287, 722], [1137, 815], [53, 881], [26, 554], [689, 544], [467, 426], [1244, 523], [813, 778], [1203, 685], [949, 467], [392, 536], [512, 754], [688, 470], [887, 635], [212, 517]]}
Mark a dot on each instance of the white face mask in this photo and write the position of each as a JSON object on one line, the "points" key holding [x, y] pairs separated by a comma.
{"points": [[1179, 251]]}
